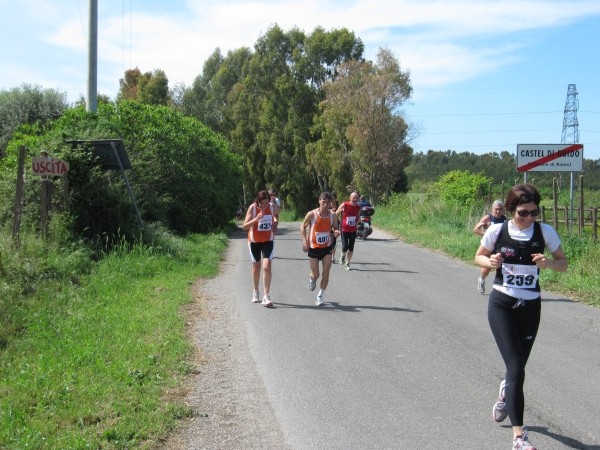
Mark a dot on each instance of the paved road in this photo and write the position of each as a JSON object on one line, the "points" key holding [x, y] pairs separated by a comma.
{"points": [[401, 356]]}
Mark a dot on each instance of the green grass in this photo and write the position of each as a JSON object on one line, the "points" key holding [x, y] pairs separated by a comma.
{"points": [[429, 223], [88, 357]]}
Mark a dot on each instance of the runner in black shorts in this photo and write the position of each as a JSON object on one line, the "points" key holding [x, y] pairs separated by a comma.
{"points": [[316, 241]]}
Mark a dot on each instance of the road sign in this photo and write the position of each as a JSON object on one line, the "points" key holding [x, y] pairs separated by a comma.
{"points": [[44, 165], [549, 157]]}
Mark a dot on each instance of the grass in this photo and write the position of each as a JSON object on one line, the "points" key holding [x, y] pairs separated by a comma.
{"points": [[88, 357], [432, 224]]}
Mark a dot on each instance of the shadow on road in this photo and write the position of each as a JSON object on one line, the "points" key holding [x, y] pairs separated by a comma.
{"points": [[335, 306], [565, 440]]}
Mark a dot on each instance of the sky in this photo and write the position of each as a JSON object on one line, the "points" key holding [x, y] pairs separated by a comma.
{"points": [[487, 75]]}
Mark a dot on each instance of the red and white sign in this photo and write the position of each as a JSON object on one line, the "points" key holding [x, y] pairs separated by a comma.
{"points": [[549, 157], [44, 165]]}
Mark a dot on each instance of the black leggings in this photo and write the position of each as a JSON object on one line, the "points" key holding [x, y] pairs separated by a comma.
{"points": [[514, 329]]}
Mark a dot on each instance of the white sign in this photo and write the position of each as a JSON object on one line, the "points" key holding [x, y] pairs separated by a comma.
{"points": [[550, 157], [44, 165]]}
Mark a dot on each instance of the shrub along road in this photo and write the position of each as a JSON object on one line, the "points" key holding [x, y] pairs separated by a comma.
{"points": [[400, 356]]}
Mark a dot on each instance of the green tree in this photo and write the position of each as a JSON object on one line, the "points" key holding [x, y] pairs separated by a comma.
{"points": [[363, 127], [154, 89], [150, 88], [28, 104], [264, 102]]}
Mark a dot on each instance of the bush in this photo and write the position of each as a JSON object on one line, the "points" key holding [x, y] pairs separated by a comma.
{"points": [[183, 176], [461, 187]]}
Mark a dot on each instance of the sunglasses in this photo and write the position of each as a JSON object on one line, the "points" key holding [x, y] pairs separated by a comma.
{"points": [[526, 213]]}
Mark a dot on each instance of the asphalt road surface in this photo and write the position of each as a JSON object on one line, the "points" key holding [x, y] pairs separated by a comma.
{"points": [[399, 357]]}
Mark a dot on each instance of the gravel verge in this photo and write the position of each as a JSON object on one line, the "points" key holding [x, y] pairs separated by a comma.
{"points": [[230, 398]]}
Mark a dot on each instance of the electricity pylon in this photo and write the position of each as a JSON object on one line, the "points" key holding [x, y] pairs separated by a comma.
{"points": [[570, 131], [570, 134]]}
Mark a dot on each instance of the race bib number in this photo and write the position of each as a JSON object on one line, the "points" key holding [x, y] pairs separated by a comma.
{"points": [[265, 223], [519, 276], [322, 237], [351, 221]]}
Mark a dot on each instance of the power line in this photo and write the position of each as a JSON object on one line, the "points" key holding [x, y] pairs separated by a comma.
{"points": [[500, 114], [486, 131]]}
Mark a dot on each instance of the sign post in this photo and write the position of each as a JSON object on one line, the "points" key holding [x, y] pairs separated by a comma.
{"points": [[46, 166], [551, 158]]}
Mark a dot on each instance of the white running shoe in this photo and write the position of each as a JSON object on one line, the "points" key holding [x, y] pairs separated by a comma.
{"points": [[255, 297], [312, 284], [499, 411], [347, 266], [266, 301], [319, 300], [481, 285], [522, 442]]}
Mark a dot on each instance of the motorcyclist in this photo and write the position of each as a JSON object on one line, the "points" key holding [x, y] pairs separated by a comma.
{"points": [[363, 201], [366, 210]]}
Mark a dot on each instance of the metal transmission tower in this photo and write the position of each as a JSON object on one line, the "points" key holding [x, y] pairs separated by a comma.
{"points": [[570, 131], [570, 135]]}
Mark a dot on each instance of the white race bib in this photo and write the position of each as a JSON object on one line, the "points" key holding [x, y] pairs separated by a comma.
{"points": [[265, 223], [322, 237], [351, 221], [519, 276]]}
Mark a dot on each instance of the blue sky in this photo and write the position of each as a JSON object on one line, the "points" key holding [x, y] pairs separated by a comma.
{"points": [[487, 75]]}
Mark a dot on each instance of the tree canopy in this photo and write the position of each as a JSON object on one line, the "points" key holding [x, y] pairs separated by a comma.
{"points": [[264, 101], [28, 104]]}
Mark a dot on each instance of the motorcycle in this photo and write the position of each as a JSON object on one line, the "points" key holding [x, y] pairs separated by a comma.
{"points": [[364, 227]]}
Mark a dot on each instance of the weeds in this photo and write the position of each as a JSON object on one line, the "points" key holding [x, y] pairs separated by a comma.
{"points": [[429, 222], [88, 350]]}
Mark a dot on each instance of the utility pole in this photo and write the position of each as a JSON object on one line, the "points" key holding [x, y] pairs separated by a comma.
{"points": [[92, 87], [570, 134]]}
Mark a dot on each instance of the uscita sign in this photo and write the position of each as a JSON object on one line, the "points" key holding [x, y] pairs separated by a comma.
{"points": [[44, 165]]}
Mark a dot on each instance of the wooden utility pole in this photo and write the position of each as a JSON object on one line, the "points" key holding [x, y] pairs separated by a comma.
{"points": [[20, 197]]}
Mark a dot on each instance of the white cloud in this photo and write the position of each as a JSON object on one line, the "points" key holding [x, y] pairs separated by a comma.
{"points": [[440, 42]]}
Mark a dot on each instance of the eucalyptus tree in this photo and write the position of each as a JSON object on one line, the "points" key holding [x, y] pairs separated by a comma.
{"points": [[362, 124], [274, 106], [207, 98]]}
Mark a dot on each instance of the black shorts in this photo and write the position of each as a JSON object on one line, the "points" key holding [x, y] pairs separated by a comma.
{"points": [[261, 248], [319, 253]]}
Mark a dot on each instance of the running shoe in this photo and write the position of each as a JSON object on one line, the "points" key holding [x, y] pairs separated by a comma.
{"points": [[319, 300], [342, 259], [522, 442], [255, 297], [481, 285], [267, 301], [499, 411], [347, 266], [312, 284]]}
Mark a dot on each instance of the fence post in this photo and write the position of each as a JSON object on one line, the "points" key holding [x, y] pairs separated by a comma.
{"points": [[595, 224], [20, 195], [581, 217], [555, 204]]}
